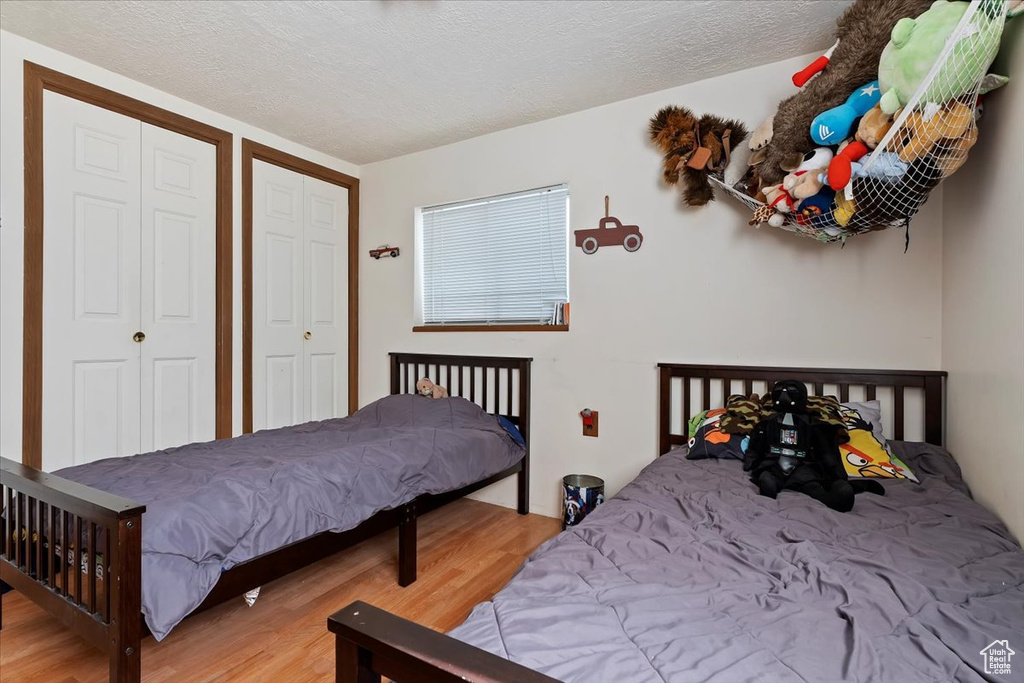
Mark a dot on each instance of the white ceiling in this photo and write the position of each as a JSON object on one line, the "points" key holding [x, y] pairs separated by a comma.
{"points": [[366, 81]]}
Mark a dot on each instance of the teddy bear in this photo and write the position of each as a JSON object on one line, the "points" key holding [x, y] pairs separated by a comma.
{"points": [[863, 31], [918, 134], [425, 387], [694, 147], [806, 180]]}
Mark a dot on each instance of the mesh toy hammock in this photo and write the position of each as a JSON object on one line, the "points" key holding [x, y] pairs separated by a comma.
{"points": [[896, 178]]}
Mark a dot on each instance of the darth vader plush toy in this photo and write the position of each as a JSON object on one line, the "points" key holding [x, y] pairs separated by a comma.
{"points": [[791, 450]]}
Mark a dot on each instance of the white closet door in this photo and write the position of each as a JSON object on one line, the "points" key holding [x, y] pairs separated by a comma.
{"points": [[277, 212], [325, 245], [178, 283], [90, 283]]}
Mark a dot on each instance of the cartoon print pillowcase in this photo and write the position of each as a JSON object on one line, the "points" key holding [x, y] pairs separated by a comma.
{"points": [[707, 440], [867, 454]]}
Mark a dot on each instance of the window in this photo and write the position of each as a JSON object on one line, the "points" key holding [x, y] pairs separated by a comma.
{"points": [[495, 261]]}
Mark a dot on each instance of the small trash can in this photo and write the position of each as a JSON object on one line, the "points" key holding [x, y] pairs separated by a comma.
{"points": [[581, 493]]}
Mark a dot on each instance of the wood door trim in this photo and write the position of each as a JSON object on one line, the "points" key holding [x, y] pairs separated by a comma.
{"points": [[254, 150], [37, 80]]}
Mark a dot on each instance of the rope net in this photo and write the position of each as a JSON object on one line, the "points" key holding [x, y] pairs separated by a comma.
{"points": [[931, 134]]}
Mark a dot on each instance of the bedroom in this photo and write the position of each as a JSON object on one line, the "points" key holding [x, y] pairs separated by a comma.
{"points": [[537, 110]]}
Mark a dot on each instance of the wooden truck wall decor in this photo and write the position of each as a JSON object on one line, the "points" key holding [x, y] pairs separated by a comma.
{"points": [[609, 233]]}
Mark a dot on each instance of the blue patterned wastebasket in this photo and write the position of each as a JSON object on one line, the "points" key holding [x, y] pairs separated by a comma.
{"points": [[581, 493]]}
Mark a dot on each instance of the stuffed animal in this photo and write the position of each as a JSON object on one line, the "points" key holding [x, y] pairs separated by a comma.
{"points": [[882, 165], [777, 204], [887, 201], [919, 133], [829, 127], [817, 205], [693, 148], [872, 128], [863, 31], [425, 387], [844, 209], [806, 180], [917, 44]]}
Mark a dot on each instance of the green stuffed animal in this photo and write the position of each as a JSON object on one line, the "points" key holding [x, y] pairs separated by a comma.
{"points": [[917, 45]]}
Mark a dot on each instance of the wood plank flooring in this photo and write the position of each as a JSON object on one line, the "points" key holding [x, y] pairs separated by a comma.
{"points": [[468, 550]]}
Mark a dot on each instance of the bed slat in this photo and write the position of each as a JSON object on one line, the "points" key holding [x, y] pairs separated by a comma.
{"points": [[897, 397], [90, 548], [51, 552], [37, 529], [76, 567]]}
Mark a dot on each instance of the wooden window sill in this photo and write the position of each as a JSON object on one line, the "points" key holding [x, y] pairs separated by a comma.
{"points": [[490, 328]]}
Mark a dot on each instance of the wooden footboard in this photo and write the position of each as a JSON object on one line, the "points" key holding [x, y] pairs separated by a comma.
{"points": [[370, 643], [77, 553]]}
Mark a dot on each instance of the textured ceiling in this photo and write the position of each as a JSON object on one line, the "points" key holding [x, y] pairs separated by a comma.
{"points": [[366, 81]]}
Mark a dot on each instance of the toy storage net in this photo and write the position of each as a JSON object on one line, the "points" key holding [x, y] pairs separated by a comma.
{"points": [[896, 178]]}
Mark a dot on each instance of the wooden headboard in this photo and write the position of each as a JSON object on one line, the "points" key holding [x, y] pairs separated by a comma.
{"points": [[498, 384], [705, 381]]}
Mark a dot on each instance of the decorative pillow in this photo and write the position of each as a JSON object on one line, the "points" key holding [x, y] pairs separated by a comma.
{"points": [[742, 414], [871, 413], [707, 440], [867, 455]]}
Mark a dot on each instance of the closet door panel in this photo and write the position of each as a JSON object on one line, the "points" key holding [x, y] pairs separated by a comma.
{"points": [[278, 315], [91, 304], [178, 284], [325, 301]]}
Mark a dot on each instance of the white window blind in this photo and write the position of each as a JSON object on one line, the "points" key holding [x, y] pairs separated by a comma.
{"points": [[497, 260]]}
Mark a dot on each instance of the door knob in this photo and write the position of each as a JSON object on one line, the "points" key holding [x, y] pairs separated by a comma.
{"points": [[139, 337], [307, 334]]}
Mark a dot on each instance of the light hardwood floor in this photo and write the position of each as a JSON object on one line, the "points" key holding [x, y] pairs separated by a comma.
{"points": [[468, 550]]}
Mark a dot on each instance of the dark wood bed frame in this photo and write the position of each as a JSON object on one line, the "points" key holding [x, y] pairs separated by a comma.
{"points": [[107, 612], [370, 642]]}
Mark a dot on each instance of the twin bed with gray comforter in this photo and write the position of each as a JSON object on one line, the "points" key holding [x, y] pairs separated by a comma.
{"points": [[212, 506], [687, 574]]}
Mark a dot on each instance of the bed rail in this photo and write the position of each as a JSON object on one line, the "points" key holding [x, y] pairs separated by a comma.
{"points": [[76, 552], [370, 643]]}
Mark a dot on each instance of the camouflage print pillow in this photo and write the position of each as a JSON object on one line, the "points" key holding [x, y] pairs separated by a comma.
{"points": [[742, 414]]}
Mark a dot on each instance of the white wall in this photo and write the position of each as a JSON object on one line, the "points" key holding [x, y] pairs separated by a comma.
{"points": [[983, 300], [704, 287], [13, 51]]}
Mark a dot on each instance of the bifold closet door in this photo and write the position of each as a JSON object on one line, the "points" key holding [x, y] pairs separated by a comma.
{"points": [[300, 322], [91, 296], [325, 251], [128, 285], [178, 277]]}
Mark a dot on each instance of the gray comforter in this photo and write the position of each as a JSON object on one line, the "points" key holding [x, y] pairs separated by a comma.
{"points": [[211, 506], [688, 575]]}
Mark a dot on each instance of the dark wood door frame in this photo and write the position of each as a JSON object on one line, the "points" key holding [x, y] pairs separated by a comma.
{"points": [[253, 150], [37, 80]]}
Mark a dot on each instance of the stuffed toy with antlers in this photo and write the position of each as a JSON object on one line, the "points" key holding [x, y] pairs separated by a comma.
{"points": [[693, 148]]}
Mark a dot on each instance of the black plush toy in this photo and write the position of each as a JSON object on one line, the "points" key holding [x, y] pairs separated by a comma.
{"points": [[790, 450]]}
